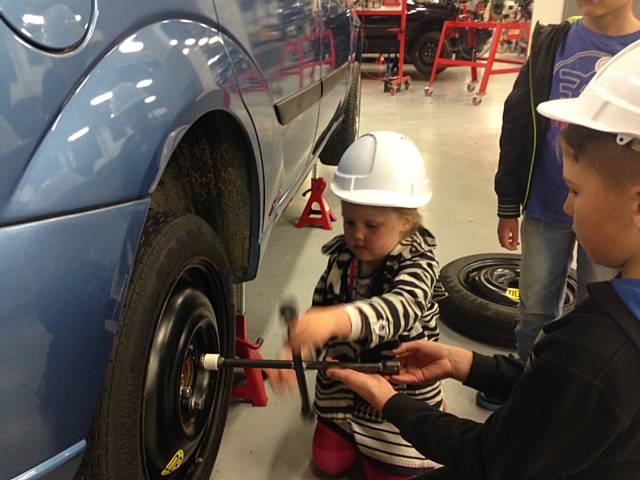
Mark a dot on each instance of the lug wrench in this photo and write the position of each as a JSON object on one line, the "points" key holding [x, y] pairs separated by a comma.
{"points": [[289, 313], [215, 362]]}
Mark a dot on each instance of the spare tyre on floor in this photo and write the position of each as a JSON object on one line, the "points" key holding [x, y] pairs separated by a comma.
{"points": [[482, 300]]}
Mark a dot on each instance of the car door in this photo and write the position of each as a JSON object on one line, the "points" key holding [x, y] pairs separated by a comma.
{"points": [[282, 38]]}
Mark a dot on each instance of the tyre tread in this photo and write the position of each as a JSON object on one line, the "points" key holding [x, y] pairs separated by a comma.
{"points": [[343, 135]]}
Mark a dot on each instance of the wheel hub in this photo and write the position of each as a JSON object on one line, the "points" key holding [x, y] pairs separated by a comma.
{"points": [[429, 54]]}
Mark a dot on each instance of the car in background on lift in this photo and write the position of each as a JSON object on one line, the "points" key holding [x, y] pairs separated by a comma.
{"points": [[146, 151], [425, 19]]}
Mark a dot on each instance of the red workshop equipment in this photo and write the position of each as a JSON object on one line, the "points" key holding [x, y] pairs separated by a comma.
{"points": [[397, 8], [501, 29]]}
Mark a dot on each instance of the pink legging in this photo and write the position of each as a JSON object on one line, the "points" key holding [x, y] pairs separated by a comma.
{"points": [[334, 455]]}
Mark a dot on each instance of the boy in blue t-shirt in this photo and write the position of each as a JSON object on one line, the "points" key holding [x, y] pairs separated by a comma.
{"points": [[563, 59], [572, 412]]}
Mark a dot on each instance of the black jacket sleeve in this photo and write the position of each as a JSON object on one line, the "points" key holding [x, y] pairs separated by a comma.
{"points": [[515, 146], [545, 429], [495, 375]]}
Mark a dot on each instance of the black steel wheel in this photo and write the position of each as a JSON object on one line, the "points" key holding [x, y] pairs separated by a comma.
{"points": [[161, 415], [424, 51], [483, 294]]}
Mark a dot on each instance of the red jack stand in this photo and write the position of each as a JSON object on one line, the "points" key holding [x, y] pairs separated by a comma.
{"points": [[252, 389], [321, 217]]}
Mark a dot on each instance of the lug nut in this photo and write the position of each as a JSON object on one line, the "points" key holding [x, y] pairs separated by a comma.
{"points": [[196, 403]]}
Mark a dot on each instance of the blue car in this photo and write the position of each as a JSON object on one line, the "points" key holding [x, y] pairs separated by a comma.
{"points": [[146, 150]]}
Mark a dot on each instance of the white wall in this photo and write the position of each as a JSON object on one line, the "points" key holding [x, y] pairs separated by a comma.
{"points": [[549, 11], [573, 10], [555, 11]]}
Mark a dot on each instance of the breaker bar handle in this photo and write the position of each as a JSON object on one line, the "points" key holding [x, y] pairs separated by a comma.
{"points": [[215, 362], [289, 314]]}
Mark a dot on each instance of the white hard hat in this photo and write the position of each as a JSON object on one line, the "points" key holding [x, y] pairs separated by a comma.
{"points": [[610, 102], [382, 169]]}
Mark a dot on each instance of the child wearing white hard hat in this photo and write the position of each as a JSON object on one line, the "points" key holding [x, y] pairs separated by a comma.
{"points": [[573, 411], [376, 293]]}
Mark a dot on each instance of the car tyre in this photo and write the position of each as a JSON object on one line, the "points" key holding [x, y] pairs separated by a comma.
{"points": [[161, 415], [345, 133], [424, 50], [481, 300]]}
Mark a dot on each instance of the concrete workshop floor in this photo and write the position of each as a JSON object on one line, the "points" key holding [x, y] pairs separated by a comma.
{"points": [[460, 145]]}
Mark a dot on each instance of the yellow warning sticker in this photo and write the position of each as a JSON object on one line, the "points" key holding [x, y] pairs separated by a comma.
{"points": [[513, 294], [174, 463]]}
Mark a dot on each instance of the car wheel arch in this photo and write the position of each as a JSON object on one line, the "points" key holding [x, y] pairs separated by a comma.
{"points": [[213, 173], [114, 122]]}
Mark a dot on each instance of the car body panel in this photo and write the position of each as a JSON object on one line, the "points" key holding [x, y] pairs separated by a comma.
{"points": [[281, 38], [128, 104], [297, 66], [62, 466], [38, 84], [86, 131], [50, 24], [59, 315]]}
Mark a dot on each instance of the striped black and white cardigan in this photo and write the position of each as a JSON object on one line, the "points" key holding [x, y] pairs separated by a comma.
{"points": [[401, 308]]}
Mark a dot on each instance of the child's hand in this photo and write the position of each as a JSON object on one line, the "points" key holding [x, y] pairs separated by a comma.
{"points": [[372, 387], [316, 326], [283, 381], [508, 232]]}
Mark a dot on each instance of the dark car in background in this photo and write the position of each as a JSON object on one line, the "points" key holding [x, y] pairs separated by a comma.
{"points": [[425, 19]]}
